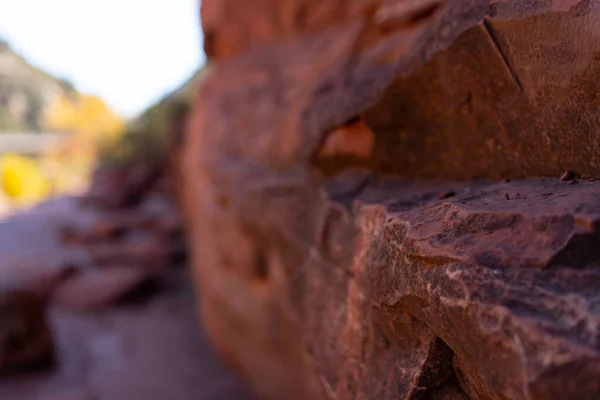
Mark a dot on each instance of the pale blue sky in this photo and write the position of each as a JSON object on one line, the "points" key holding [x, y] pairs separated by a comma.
{"points": [[129, 52]]}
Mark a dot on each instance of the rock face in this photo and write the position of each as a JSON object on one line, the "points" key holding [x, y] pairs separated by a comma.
{"points": [[80, 258], [25, 338], [342, 245], [86, 254]]}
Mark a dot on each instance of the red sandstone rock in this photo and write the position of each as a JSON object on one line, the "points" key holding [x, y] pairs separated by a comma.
{"points": [[69, 395], [99, 287], [148, 235], [25, 338], [32, 262], [85, 257], [352, 139], [153, 350], [116, 187], [321, 281]]}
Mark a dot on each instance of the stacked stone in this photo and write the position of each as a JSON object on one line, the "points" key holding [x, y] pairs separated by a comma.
{"points": [[79, 257], [342, 245]]}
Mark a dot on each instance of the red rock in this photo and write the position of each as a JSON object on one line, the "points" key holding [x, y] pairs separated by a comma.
{"points": [[149, 234], [69, 395], [32, 263], [25, 338], [154, 350], [98, 288], [111, 253], [36, 260], [568, 176], [115, 187], [352, 139], [316, 284]]}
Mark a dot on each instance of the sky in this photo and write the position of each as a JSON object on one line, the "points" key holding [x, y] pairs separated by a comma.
{"points": [[128, 52]]}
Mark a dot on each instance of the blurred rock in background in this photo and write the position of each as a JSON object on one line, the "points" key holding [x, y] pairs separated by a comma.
{"points": [[118, 235]]}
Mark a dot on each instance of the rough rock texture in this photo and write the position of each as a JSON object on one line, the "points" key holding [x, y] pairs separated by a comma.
{"points": [[341, 246]]}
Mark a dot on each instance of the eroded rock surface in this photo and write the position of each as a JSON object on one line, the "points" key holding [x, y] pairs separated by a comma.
{"points": [[342, 247]]}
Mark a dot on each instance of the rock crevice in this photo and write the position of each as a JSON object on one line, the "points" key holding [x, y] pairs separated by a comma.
{"points": [[340, 154]]}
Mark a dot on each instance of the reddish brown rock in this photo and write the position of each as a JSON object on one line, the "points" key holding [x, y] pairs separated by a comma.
{"points": [[134, 351], [25, 338], [346, 283], [122, 186], [352, 139], [98, 288], [147, 235], [69, 395], [32, 262], [84, 257]]}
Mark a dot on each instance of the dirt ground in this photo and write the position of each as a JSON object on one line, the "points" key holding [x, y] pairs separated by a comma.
{"points": [[149, 348]]}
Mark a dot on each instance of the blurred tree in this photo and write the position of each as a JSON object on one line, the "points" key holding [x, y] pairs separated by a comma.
{"points": [[22, 180], [91, 123], [144, 140], [85, 116], [34, 111], [67, 86], [7, 121]]}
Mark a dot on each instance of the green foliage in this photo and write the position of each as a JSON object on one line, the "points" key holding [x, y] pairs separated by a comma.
{"points": [[8, 122], [145, 139], [35, 110]]}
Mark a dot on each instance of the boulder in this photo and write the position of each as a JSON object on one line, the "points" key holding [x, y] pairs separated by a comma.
{"points": [[79, 257], [350, 229], [25, 337]]}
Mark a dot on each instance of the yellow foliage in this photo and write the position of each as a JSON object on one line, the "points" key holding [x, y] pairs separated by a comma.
{"points": [[65, 169], [22, 180], [91, 123], [84, 116]]}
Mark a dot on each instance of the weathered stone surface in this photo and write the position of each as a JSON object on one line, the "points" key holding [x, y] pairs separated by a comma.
{"points": [[231, 28], [324, 274], [512, 326], [507, 99]]}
